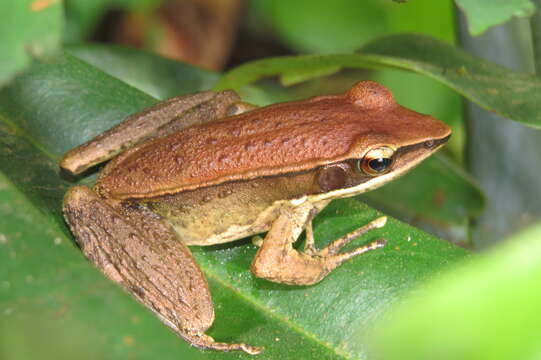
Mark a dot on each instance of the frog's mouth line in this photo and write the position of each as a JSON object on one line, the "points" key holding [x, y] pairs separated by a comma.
{"points": [[406, 159]]}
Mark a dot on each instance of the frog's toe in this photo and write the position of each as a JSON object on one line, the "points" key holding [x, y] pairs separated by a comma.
{"points": [[203, 341]]}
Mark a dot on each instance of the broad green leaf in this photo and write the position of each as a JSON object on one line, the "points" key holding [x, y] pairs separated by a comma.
{"points": [[482, 14], [30, 29], [45, 276], [509, 93], [88, 99], [512, 94], [486, 309]]}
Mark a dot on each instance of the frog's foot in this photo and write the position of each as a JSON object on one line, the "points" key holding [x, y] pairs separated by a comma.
{"points": [[205, 342], [333, 248], [278, 261]]}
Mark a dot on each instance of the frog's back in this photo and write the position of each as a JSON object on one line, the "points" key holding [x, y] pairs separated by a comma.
{"points": [[277, 139]]}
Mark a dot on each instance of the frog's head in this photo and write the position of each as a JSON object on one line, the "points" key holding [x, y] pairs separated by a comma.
{"points": [[392, 141]]}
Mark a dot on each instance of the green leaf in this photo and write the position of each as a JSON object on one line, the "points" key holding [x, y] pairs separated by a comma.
{"points": [[509, 93], [483, 14], [30, 29], [486, 309], [44, 275], [77, 90]]}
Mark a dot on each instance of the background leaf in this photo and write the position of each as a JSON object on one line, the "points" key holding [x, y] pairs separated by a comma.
{"points": [[486, 309], [45, 275], [30, 29], [485, 14]]}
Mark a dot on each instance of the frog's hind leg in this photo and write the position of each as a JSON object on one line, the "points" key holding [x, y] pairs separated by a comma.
{"points": [[140, 252], [277, 260], [159, 120]]}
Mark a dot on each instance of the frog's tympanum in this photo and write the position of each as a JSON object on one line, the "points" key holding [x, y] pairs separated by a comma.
{"points": [[206, 169]]}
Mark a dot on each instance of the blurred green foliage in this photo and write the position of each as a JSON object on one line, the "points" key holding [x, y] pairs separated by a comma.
{"points": [[29, 29], [488, 308], [316, 27]]}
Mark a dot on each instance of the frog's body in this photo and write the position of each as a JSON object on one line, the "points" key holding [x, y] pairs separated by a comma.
{"points": [[204, 180], [241, 208]]}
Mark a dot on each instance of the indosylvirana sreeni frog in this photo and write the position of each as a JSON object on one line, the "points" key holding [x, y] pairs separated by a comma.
{"points": [[205, 169]]}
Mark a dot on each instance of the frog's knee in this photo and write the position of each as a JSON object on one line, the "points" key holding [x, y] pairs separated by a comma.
{"points": [[77, 204], [78, 195], [263, 270]]}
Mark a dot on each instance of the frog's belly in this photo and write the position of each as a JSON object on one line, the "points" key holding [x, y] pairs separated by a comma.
{"points": [[222, 233], [230, 211]]}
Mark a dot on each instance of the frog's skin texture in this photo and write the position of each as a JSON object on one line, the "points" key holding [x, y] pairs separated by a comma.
{"points": [[206, 168]]}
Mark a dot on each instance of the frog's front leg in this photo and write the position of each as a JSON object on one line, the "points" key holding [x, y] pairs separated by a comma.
{"points": [[162, 119], [277, 260], [134, 248]]}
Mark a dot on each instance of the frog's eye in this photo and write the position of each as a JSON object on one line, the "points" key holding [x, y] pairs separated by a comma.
{"points": [[376, 161]]}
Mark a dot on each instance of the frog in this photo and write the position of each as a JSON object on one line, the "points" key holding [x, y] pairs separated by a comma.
{"points": [[207, 168]]}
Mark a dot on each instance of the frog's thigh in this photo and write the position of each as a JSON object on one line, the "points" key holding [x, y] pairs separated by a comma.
{"points": [[277, 260], [142, 254]]}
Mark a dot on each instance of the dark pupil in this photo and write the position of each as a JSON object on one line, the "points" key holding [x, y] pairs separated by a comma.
{"points": [[379, 165]]}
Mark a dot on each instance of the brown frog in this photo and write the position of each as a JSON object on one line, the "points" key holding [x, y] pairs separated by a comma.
{"points": [[206, 169]]}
